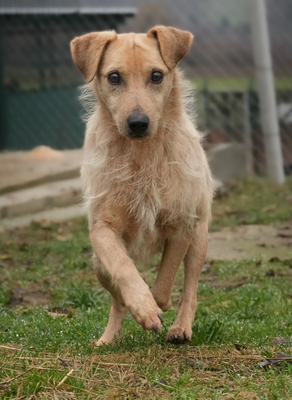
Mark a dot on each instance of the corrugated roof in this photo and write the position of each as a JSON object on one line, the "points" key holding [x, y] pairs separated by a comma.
{"points": [[68, 10]]}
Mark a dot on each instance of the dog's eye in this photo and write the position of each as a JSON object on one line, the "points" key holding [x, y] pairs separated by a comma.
{"points": [[114, 78], [157, 77]]}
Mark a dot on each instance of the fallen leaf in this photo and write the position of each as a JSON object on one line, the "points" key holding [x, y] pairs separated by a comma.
{"points": [[160, 382], [59, 394], [34, 297], [63, 238], [245, 395], [113, 394], [280, 341], [270, 272], [58, 312], [3, 264], [270, 208], [207, 267], [265, 245], [284, 235], [195, 363], [285, 227], [274, 259], [240, 347]]}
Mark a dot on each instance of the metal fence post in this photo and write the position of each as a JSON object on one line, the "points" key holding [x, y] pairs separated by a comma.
{"points": [[266, 90], [3, 116], [247, 137]]}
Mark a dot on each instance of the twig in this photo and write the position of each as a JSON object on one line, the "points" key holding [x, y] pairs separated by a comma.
{"points": [[111, 364], [121, 337], [12, 379], [35, 367], [9, 348], [34, 358], [247, 357], [65, 377]]}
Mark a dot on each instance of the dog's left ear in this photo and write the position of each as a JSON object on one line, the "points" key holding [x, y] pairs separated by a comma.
{"points": [[173, 43]]}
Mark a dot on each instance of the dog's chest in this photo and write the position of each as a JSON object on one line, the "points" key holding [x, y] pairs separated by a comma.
{"points": [[160, 195]]}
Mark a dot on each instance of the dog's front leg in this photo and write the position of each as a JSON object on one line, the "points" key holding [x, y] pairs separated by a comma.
{"points": [[135, 293], [181, 330], [174, 251]]}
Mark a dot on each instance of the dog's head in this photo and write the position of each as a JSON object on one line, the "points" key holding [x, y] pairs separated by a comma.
{"points": [[134, 74]]}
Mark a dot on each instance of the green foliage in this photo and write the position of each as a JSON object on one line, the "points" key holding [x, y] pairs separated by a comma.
{"points": [[79, 296]]}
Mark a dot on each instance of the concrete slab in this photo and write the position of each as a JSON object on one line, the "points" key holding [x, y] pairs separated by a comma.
{"points": [[53, 215], [21, 169], [38, 198]]}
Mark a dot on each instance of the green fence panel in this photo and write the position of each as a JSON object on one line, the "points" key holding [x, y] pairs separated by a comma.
{"points": [[38, 80], [51, 117]]}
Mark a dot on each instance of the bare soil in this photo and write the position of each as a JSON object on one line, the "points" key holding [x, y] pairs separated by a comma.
{"points": [[251, 242]]}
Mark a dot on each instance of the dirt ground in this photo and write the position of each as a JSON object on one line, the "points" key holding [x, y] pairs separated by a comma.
{"points": [[251, 241]]}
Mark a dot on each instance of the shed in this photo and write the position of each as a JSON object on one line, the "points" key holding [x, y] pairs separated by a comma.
{"points": [[38, 80]]}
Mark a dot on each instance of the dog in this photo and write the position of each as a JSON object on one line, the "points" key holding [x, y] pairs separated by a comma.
{"points": [[147, 183]]}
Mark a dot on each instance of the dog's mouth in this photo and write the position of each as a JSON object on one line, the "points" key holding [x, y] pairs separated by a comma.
{"points": [[138, 124], [137, 135]]}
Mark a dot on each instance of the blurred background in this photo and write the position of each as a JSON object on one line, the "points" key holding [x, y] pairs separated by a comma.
{"points": [[39, 83]]}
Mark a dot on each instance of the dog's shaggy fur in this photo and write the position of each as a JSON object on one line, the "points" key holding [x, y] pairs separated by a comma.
{"points": [[145, 195]]}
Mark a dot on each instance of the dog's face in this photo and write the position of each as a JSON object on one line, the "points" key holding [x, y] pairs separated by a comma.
{"points": [[134, 83], [134, 74]]}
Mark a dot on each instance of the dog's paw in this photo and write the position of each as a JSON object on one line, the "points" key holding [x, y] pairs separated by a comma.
{"points": [[179, 335], [100, 342], [146, 312]]}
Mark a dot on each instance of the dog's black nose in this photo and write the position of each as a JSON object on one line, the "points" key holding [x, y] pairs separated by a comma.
{"points": [[138, 124]]}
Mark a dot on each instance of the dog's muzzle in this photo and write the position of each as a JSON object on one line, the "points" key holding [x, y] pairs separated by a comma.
{"points": [[138, 124]]}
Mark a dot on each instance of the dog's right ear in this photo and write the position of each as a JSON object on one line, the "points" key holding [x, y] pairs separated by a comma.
{"points": [[88, 49]]}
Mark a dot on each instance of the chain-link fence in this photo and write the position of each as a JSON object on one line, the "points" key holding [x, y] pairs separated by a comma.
{"points": [[38, 95]]}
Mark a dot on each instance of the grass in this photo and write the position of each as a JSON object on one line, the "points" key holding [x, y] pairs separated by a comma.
{"points": [[51, 306], [240, 83], [253, 201]]}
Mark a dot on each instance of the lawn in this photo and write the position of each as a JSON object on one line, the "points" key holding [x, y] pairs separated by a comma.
{"points": [[239, 83], [51, 307]]}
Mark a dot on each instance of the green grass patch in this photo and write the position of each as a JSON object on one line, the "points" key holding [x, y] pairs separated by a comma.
{"points": [[51, 307], [253, 201], [240, 83]]}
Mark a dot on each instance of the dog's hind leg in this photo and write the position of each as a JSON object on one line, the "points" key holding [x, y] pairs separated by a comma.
{"points": [[115, 324], [118, 310], [181, 330], [172, 257]]}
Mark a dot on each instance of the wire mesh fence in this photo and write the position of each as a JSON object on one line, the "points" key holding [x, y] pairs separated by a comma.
{"points": [[39, 85], [39, 81]]}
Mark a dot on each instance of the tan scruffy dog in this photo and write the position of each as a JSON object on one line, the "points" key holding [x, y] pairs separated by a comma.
{"points": [[147, 184]]}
